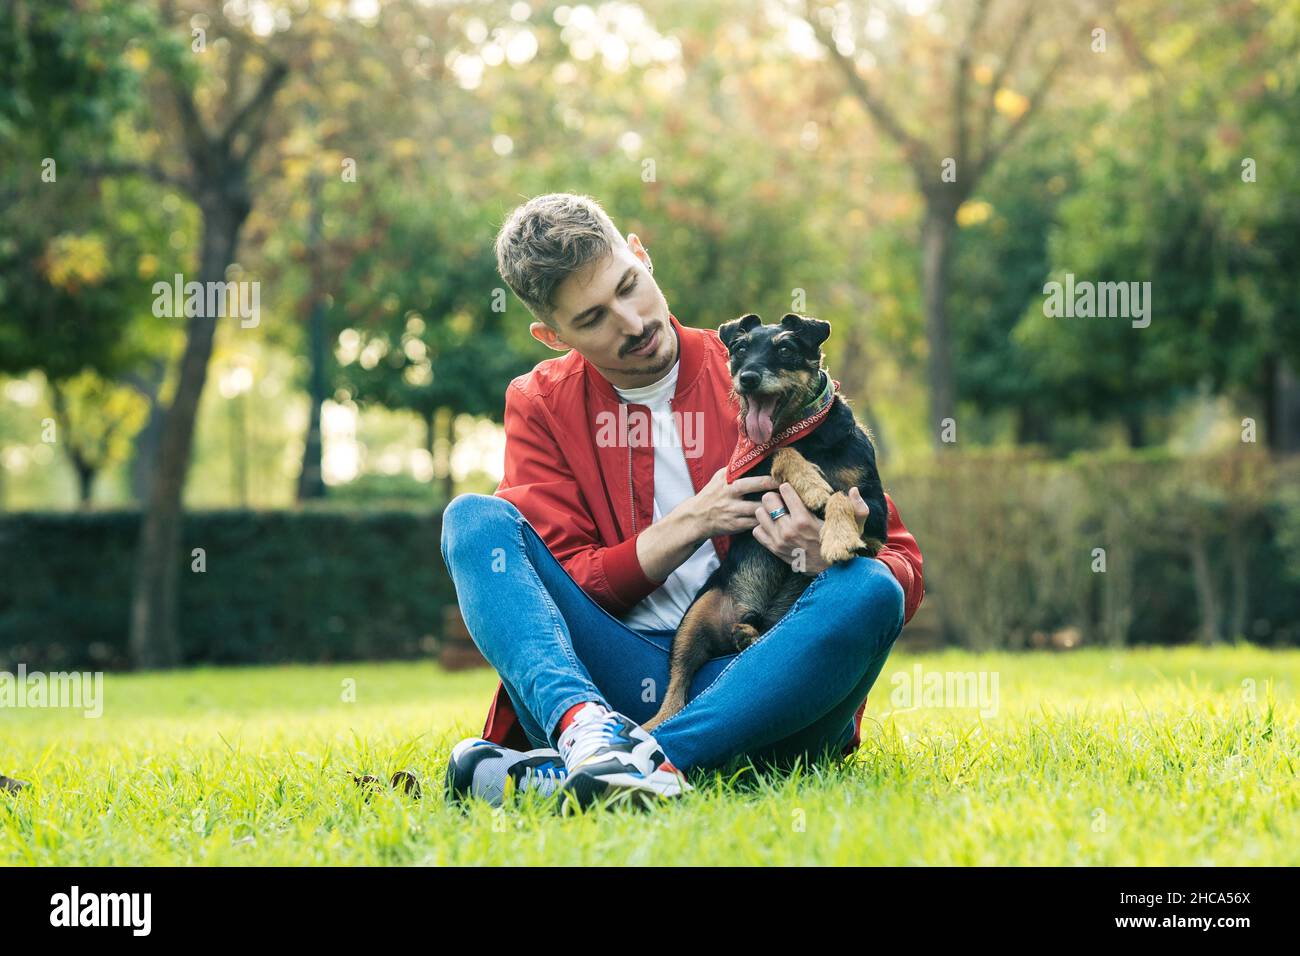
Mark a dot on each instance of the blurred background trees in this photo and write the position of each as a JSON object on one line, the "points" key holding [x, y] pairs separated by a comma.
{"points": [[914, 171]]}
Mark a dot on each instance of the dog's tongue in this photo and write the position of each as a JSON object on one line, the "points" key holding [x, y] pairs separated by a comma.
{"points": [[758, 420]]}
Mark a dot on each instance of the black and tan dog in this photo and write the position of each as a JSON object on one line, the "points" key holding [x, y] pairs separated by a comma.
{"points": [[778, 379]]}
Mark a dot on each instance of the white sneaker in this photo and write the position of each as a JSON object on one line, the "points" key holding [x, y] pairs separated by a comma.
{"points": [[607, 754], [480, 768]]}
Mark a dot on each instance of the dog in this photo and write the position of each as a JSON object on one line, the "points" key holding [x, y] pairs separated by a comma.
{"points": [[795, 427]]}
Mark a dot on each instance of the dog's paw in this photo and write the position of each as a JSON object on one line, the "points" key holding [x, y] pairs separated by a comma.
{"points": [[840, 543], [804, 477], [837, 554], [840, 538], [784, 463], [743, 635], [871, 548]]}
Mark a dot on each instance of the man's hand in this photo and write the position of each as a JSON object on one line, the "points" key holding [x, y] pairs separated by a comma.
{"points": [[797, 535], [717, 509], [721, 508]]}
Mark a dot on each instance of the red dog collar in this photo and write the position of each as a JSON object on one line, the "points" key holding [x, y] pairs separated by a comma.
{"points": [[748, 454]]}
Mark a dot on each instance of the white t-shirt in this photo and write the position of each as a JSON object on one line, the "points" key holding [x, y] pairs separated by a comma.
{"points": [[663, 609]]}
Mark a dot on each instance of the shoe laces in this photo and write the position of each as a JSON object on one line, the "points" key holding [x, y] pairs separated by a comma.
{"points": [[550, 772], [581, 740]]}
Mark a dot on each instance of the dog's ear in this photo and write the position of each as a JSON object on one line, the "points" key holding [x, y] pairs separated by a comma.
{"points": [[728, 331], [811, 332]]}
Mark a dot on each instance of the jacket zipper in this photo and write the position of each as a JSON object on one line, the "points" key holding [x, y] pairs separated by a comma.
{"points": [[631, 489]]}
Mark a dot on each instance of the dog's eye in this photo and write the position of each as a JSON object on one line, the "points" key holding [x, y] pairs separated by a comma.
{"points": [[785, 351]]}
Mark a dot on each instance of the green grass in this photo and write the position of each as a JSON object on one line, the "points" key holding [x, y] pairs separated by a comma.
{"points": [[1093, 757]]}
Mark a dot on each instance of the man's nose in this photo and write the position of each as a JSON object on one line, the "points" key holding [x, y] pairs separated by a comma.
{"points": [[750, 379], [630, 323]]}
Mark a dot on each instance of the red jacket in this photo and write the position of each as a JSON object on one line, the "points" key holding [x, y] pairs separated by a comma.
{"points": [[589, 501]]}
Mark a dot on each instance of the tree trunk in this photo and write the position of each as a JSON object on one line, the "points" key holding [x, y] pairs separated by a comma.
{"points": [[85, 483], [146, 442], [154, 642], [1268, 400], [1207, 600], [82, 466], [448, 482], [1240, 558], [1135, 429], [1284, 408], [310, 482], [1032, 427], [430, 430], [936, 245]]}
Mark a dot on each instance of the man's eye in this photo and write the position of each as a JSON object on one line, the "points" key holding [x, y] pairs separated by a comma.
{"points": [[628, 289]]}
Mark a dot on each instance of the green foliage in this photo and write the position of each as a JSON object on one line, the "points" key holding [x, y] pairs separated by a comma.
{"points": [[379, 491], [1009, 542], [1288, 525], [76, 249], [79, 298], [97, 419], [747, 167], [416, 314], [63, 75], [278, 586], [1002, 263], [1163, 194]]}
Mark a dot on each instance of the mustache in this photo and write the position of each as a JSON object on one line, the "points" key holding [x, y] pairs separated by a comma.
{"points": [[637, 345]]}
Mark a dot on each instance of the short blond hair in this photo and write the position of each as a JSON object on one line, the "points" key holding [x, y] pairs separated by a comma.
{"points": [[548, 239]]}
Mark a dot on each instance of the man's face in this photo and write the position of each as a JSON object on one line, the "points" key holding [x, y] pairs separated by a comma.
{"points": [[614, 314]]}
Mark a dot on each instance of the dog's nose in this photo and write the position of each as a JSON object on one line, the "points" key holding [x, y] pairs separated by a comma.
{"points": [[750, 379]]}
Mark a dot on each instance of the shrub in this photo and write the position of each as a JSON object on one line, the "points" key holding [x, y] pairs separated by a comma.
{"points": [[1192, 549], [277, 586]]}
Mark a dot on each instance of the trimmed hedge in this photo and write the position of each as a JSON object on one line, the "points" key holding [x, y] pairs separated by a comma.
{"points": [[1197, 549], [279, 586]]}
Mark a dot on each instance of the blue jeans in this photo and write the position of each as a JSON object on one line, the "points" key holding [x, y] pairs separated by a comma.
{"points": [[791, 694]]}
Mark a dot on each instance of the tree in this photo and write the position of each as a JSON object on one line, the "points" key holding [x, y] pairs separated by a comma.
{"points": [[354, 132], [1168, 191], [96, 419], [983, 125], [415, 320], [74, 246], [1002, 260], [219, 158]]}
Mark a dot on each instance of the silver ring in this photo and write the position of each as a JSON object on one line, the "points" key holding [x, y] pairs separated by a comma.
{"points": [[778, 513]]}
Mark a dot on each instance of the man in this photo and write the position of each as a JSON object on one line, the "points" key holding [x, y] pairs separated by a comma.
{"points": [[574, 576]]}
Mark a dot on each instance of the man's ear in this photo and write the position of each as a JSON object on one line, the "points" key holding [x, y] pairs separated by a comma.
{"points": [[639, 250], [728, 331], [812, 332], [548, 337]]}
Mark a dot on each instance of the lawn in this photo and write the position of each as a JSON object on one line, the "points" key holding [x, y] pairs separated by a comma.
{"points": [[1183, 757]]}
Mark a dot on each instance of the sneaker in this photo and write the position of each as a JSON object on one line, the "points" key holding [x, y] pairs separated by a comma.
{"points": [[609, 755], [480, 768]]}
